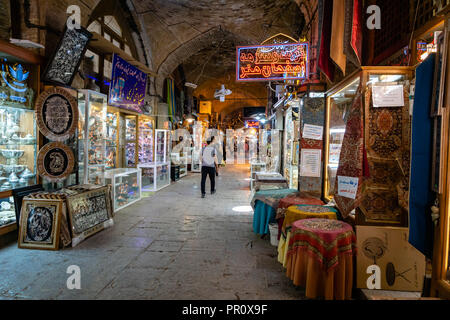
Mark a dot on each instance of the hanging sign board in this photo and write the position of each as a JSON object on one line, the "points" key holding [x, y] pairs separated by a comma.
{"points": [[128, 84], [272, 62], [388, 96]]}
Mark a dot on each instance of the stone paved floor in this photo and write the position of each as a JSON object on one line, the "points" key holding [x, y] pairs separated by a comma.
{"points": [[171, 245]]}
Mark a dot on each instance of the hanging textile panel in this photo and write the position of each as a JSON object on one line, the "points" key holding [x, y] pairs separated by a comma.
{"points": [[337, 35], [421, 197], [325, 63], [312, 113], [351, 162], [387, 138]]}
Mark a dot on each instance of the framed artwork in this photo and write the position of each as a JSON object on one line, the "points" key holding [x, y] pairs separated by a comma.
{"points": [[55, 161], [21, 193], [437, 102], [40, 224], [66, 60], [57, 114], [88, 211]]}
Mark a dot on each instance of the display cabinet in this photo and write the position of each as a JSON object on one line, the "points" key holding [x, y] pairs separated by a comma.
{"points": [[290, 150], [155, 176], [112, 139], [126, 186], [162, 146], [385, 128], [91, 136], [255, 168], [129, 135], [146, 139], [181, 160], [196, 165]]}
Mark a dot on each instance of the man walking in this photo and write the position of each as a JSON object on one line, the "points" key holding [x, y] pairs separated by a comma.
{"points": [[209, 167]]}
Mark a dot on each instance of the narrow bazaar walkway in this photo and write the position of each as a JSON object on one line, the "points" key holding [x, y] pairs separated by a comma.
{"points": [[171, 245]]}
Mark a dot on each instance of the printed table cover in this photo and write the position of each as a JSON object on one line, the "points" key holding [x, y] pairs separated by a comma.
{"points": [[324, 239]]}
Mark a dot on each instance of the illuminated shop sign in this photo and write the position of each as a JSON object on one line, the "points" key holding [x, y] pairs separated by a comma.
{"points": [[252, 124], [13, 84], [128, 84], [272, 62]]}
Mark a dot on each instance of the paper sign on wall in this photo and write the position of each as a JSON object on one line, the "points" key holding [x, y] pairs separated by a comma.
{"points": [[388, 96], [312, 132], [311, 163], [348, 187], [335, 153]]}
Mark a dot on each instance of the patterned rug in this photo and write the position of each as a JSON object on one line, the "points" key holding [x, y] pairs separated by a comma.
{"points": [[387, 138], [352, 155]]}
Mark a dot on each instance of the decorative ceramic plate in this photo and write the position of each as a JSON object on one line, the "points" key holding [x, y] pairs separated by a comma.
{"points": [[55, 161], [57, 114]]}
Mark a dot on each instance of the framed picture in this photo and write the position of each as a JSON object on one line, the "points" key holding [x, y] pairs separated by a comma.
{"points": [[88, 211], [21, 193], [66, 60], [437, 102], [40, 224]]}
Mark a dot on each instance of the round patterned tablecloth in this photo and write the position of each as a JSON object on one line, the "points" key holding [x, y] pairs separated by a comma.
{"points": [[324, 239], [320, 258]]}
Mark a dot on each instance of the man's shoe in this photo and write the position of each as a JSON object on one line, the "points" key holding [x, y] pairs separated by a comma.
{"points": [[203, 196], [213, 192]]}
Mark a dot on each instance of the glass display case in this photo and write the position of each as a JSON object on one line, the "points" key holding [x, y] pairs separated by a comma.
{"points": [[126, 186], [130, 157], [181, 160], [196, 165], [338, 111], [162, 146], [112, 139], [155, 176], [7, 212], [290, 150], [384, 128], [256, 167], [146, 140], [92, 136]]}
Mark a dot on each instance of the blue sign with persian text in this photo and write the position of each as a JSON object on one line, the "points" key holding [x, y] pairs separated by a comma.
{"points": [[128, 84]]}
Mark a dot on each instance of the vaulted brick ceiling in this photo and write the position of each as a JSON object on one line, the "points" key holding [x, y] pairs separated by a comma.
{"points": [[202, 35]]}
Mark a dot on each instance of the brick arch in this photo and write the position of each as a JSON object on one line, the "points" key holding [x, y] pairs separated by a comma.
{"points": [[186, 50]]}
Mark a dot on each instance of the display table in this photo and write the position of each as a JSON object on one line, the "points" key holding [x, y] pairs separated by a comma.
{"points": [[155, 175], [126, 186], [295, 213], [265, 205], [320, 258], [270, 180], [256, 167]]}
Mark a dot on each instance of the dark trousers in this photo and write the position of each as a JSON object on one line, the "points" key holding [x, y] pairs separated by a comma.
{"points": [[212, 177]]}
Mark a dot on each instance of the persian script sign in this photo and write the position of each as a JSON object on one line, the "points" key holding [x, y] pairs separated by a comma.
{"points": [[55, 161], [57, 114], [88, 211], [128, 84], [272, 62]]}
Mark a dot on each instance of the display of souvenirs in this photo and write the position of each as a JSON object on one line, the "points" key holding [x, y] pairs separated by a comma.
{"points": [[126, 186], [7, 211], [155, 176], [130, 138], [92, 136], [17, 148], [111, 140], [55, 161], [145, 141]]}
